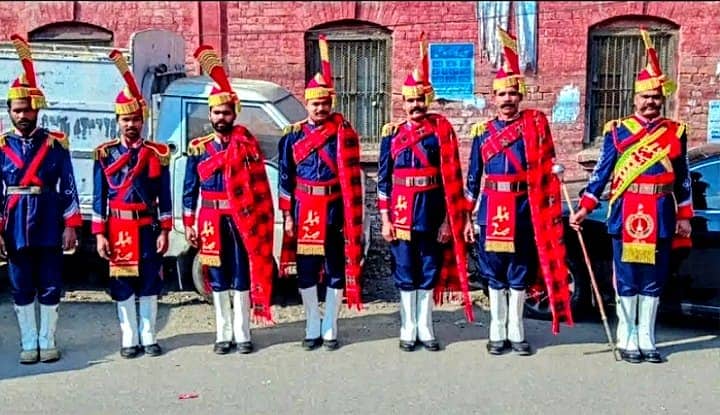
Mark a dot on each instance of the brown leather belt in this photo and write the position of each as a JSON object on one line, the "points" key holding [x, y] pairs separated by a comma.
{"points": [[318, 190], [215, 204], [417, 181], [130, 214], [505, 186], [650, 188]]}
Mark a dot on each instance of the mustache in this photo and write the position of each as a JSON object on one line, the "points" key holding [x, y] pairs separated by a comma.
{"points": [[507, 105], [418, 109]]}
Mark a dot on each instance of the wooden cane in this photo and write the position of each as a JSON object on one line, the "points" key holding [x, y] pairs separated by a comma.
{"points": [[558, 170]]}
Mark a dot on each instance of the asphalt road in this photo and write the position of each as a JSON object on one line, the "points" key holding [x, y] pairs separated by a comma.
{"points": [[368, 374]]}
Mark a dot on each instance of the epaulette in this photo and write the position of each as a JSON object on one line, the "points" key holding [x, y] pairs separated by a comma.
{"points": [[609, 126], [197, 145], [58, 137], [3, 140], [389, 129], [681, 129], [293, 128], [477, 129], [101, 150], [162, 151]]}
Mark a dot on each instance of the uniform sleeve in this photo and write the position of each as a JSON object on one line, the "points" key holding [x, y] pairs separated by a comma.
{"points": [[601, 174], [385, 171], [474, 174], [287, 169], [68, 192], [683, 187], [165, 216], [2, 194], [100, 195], [191, 190]]}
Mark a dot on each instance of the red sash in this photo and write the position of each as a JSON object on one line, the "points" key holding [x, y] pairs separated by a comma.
{"points": [[314, 141], [410, 138], [403, 199], [499, 141], [124, 239], [30, 177]]}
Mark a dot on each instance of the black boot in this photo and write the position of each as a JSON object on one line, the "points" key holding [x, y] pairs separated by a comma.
{"points": [[631, 356], [496, 347], [331, 344], [312, 344], [245, 347], [652, 356], [222, 347], [407, 346], [153, 350], [431, 345], [521, 348], [130, 352]]}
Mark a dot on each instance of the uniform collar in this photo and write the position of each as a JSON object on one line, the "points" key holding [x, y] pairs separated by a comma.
{"points": [[644, 121], [29, 136], [135, 145]]}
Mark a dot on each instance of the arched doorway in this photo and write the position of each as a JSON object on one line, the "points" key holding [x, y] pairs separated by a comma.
{"points": [[616, 54], [72, 33], [360, 58]]}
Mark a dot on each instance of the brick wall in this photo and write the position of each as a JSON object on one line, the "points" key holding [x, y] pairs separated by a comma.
{"points": [[266, 40]]}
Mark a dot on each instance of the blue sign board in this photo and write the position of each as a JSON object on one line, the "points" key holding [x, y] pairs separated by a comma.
{"points": [[452, 70], [713, 127]]}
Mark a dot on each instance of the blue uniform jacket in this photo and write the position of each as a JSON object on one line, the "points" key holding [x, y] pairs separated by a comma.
{"points": [[38, 220]]}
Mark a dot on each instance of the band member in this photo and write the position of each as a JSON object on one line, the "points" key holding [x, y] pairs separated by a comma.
{"points": [[650, 205], [320, 195], [422, 208], [132, 216], [520, 212], [226, 168], [40, 212]]}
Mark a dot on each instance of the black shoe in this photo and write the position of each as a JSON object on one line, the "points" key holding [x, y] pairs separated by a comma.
{"points": [[222, 347], [496, 347], [431, 345], [245, 347], [153, 350], [312, 344], [631, 356], [521, 348], [130, 352], [652, 356], [407, 346], [331, 344]]}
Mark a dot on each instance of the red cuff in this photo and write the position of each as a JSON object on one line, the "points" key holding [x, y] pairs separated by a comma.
{"points": [[189, 220], [97, 227], [681, 242], [166, 224], [685, 212], [73, 221], [383, 204], [284, 204], [588, 203], [470, 205]]}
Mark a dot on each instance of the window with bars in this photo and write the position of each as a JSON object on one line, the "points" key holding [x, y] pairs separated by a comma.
{"points": [[360, 60], [615, 57]]}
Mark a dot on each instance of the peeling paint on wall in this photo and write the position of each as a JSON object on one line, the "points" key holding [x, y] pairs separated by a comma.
{"points": [[567, 107]]}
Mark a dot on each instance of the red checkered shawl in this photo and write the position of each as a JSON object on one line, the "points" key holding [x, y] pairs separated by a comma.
{"points": [[454, 276], [253, 213], [546, 210]]}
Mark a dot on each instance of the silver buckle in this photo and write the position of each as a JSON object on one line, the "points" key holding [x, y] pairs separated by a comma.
{"points": [[504, 186]]}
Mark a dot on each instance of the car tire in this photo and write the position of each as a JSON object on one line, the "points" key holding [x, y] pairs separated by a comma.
{"points": [[537, 305]]}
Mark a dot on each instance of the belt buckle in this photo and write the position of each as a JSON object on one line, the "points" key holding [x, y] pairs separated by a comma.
{"points": [[421, 181], [503, 186], [647, 188]]}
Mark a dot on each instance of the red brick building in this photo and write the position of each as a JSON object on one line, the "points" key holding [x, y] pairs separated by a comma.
{"points": [[586, 52]]}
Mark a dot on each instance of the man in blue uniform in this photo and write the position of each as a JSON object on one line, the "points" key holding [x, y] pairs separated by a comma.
{"points": [[40, 212], [132, 216], [512, 215], [419, 194], [320, 197], [650, 205], [226, 242]]}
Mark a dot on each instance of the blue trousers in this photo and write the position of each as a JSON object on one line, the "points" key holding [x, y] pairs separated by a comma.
{"points": [[642, 279], [508, 270], [309, 266], [149, 282], [36, 271], [418, 262], [234, 270]]}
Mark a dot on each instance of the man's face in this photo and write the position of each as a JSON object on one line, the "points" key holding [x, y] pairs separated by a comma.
{"points": [[507, 101], [23, 116], [318, 109], [131, 125], [649, 103], [222, 117], [415, 108]]}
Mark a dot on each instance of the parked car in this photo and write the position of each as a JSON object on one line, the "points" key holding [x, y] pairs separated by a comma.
{"points": [[693, 287]]}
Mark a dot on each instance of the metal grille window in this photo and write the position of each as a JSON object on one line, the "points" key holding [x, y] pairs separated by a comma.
{"points": [[616, 56], [360, 62]]}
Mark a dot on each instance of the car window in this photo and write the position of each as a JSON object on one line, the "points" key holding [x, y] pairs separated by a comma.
{"points": [[264, 128], [292, 109], [705, 181]]}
